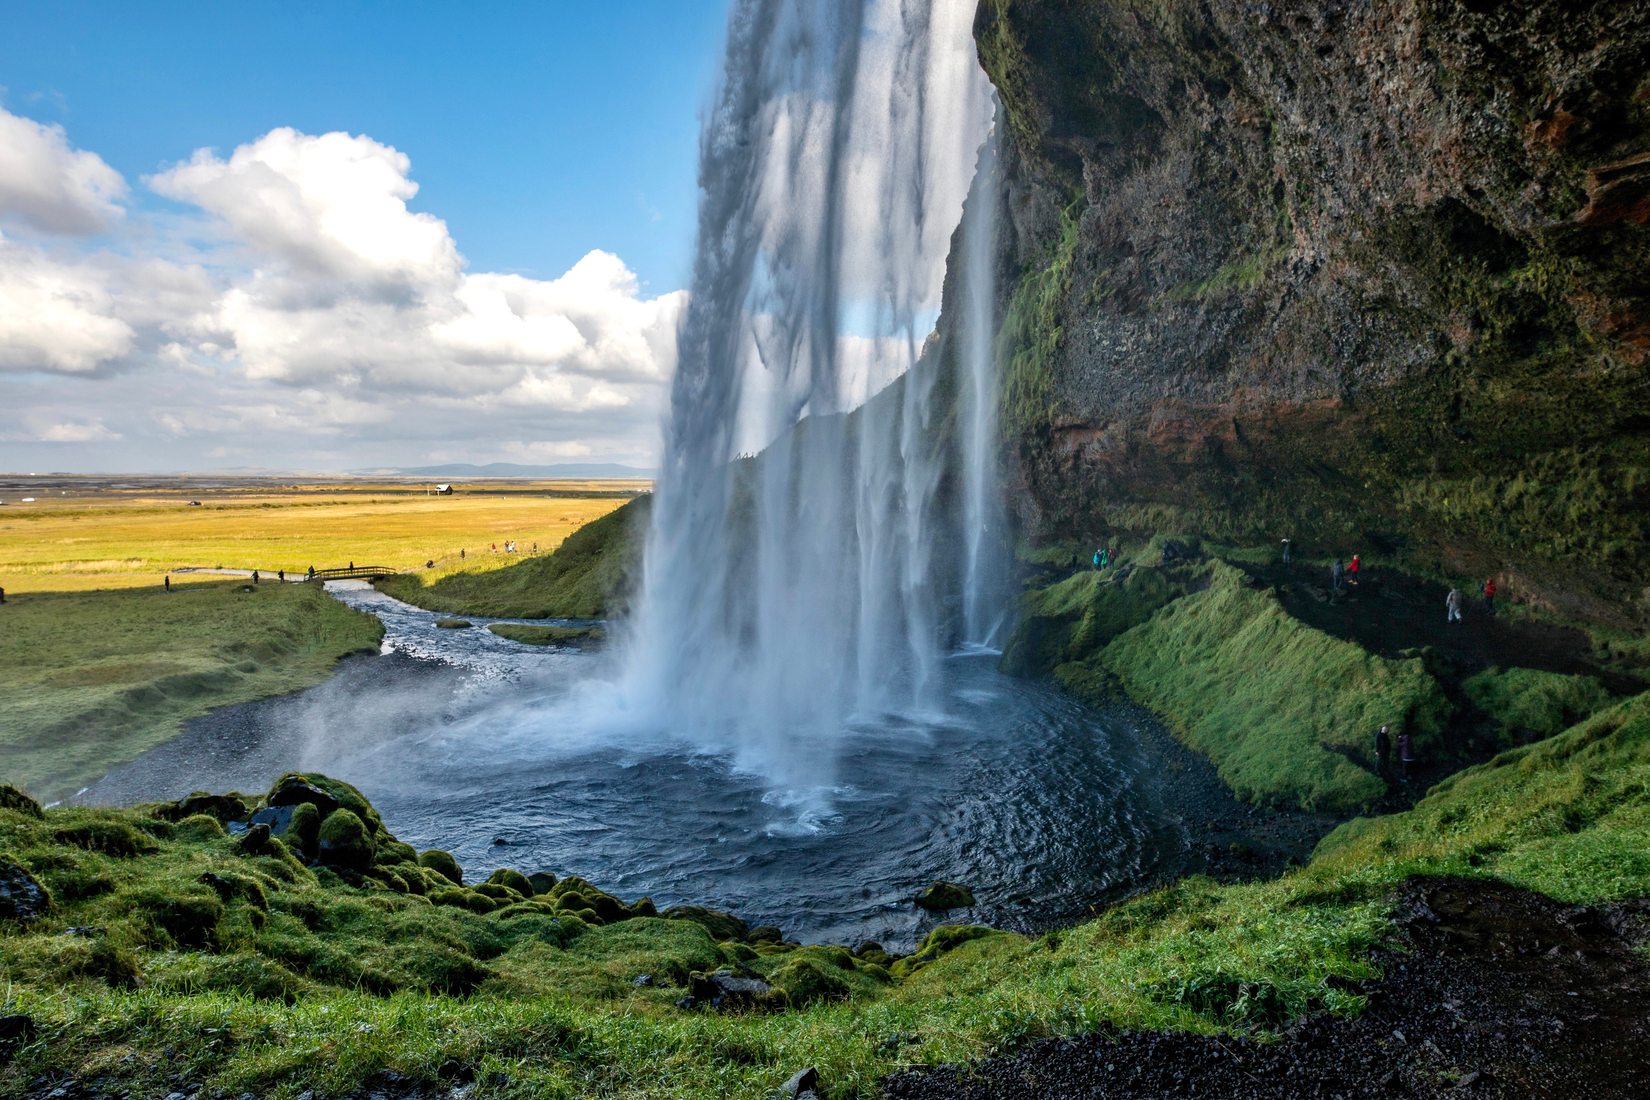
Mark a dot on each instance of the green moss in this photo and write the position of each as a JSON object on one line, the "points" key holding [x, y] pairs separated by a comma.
{"points": [[515, 880], [1030, 337], [344, 841], [588, 576], [443, 864], [944, 895], [17, 802], [721, 926], [806, 983], [198, 827], [1284, 711]]}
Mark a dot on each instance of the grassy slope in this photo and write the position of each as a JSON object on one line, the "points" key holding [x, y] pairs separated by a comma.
{"points": [[555, 1014], [94, 679], [586, 578], [1286, 712]]}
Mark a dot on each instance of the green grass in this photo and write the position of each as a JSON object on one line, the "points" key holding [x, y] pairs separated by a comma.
{"points": [[333, 984], [94, 679], [588, 577], [1286, 712], [1528, 703]]}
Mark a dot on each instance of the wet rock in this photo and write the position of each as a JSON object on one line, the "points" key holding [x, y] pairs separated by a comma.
{"points": [[290, 790], [15, 1030], [453, 624], [224, 807], [765, 933], [944, 895], [643, 981], [255, 841], [22, 899], [726, 989], [542, 882]]}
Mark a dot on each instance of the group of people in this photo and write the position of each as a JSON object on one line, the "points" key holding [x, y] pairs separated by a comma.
{"points": [[1344, 574], [1383, 754], [1102, 558]]}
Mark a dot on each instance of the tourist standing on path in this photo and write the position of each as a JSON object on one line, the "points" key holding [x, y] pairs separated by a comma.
{"points": [[1352, 569], [1452, 605], [1286, 552], [1383, 751], [1489, 596], [1405, 757], [280, 575], [254, 576], [1096, 561], [1105, 557], [1335, 575], [168, 582]]}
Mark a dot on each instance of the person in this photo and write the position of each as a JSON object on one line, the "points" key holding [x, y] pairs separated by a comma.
{"points": [[254, 576], [1452, 605], [311, 574], [1105, 557], [461, 553], [1096, 560], [280, 575], [1335, 575], [1405, 757], [1352, 570], [1383, 750], [352, 567], [1286, 551], [430, 564], [1489, 596], [168, 582], [535, 548]]}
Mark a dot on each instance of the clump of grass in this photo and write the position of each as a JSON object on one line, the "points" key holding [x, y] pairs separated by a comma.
{"points": [[545, 635]]}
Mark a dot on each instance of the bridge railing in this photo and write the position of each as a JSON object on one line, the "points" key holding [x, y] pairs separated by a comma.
{"points": [[351, 573]]}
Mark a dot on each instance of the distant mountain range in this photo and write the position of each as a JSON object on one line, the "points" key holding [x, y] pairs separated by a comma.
{"points": [[585, 471]]}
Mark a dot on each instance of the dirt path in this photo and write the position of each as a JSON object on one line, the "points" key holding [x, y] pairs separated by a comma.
{"points": [[1488, 991]]}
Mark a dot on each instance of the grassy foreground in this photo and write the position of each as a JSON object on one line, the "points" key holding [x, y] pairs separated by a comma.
{"points": [[273, 973], [94, 679]]}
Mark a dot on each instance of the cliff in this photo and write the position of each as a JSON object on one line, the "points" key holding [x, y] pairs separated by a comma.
{"points": [[1370, 275]]}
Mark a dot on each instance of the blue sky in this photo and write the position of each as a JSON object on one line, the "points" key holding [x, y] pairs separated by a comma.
{"points": [[538, 131], [330, 236]]}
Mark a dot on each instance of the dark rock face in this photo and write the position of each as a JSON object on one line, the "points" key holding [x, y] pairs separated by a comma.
{"points": [[1350, 273], [727, 989], [22, 899]]}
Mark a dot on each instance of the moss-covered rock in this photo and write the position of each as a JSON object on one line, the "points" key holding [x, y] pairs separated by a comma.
{"points": [[443, 864], [721, 926], [542, 882], [515, 880], [944, 895], [806, 983], [17, 802], [198, 828], [303, 830], [344, 841]]}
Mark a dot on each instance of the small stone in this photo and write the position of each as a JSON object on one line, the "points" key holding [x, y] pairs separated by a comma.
{"points": [[16, 1028], [643, 981], [803, 1080], [945, 895]]}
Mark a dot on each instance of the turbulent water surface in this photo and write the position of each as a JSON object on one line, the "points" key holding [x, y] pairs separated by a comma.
{"points": [[462, 738]]}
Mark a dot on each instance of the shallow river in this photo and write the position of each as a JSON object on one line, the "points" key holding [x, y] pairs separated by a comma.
{"points": [[497, 752]]}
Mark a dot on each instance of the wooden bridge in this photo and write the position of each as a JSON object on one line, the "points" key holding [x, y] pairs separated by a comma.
{"points": [[352, 572]]}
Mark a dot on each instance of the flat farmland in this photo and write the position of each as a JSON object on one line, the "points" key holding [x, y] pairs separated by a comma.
{"points": [[79, 534]]}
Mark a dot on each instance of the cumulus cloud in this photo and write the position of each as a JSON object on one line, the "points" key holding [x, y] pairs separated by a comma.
{"points": [[309, 303], [50, 186], [55, 316], [39, 430]]}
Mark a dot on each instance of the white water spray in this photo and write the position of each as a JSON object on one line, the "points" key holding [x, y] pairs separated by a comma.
{"points": [[785, 597]]}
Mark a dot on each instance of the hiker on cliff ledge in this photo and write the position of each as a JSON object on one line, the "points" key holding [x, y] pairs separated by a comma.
{"points": [[1489, 596], [1383, 751], [1352, 569], [1335, 575], [1287, 549]]}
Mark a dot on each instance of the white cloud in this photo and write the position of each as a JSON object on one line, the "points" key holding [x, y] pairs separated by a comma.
{"points": [[315, 313], [36, 430], [55, 316], [52, 187], [333, 205]]}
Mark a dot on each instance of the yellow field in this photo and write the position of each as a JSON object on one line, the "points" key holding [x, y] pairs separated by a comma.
{"points": [[88, 536]]}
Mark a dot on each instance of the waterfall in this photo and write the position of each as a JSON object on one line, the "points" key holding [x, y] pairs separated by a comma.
{"points": [[787, 595]]}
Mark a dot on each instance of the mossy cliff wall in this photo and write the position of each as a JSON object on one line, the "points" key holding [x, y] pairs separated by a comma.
{"points": [[1372, 275]]}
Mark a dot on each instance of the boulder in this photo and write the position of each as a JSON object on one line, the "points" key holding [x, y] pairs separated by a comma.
{"points": [[15, 1030], [944, 895], [22, 899], [452, 624], [802, 1083], [726, 989], [514, 880], [542, 882], [255, 841], [443, 864], [224, 807], [721, 926], [16, 801], [344, 842]]}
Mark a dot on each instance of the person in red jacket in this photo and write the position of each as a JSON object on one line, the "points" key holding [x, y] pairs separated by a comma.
{"points": [[1352, 568], [1489, 596]]}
